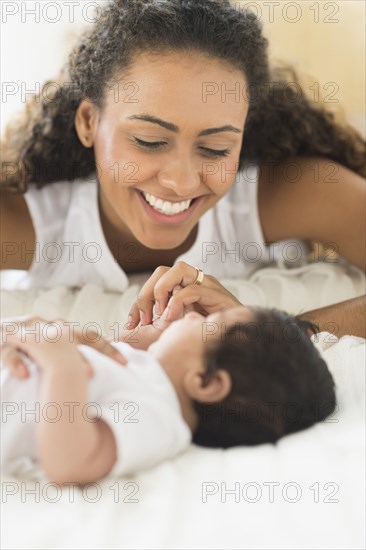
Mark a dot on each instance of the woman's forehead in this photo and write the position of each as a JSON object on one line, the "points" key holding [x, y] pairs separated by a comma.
{"points": [[175, 81]]}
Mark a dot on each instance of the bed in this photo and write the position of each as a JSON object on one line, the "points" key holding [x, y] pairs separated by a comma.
{"points": [[308, 491]]}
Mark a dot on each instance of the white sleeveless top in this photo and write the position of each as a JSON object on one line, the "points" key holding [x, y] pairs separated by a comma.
{"points": [[71, 249]]}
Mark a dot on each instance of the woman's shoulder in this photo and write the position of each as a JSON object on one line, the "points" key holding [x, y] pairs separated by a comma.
{"points": [[17, 231], [304, 197], [286, 189]]}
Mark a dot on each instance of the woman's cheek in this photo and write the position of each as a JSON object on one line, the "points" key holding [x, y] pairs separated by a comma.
{"points": [[220, 176], [133, 169]]}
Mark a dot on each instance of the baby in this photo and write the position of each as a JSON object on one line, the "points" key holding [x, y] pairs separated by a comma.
{"points": [[241, 376]]}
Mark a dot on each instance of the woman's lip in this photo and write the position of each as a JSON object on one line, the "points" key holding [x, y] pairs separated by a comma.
{"points": [[168, 200], [174, 219]]}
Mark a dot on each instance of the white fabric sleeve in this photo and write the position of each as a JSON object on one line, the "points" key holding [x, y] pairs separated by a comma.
{"points": [[140, 405], [145, 435]]}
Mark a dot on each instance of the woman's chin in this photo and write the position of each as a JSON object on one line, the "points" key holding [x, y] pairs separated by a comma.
{"points": [[163, 243]]}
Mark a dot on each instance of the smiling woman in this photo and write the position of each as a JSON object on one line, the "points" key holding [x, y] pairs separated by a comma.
{"points": [[172, 155], [171, 138]]}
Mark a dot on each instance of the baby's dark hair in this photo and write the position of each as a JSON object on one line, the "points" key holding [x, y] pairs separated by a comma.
{"points": [[280, 383]]}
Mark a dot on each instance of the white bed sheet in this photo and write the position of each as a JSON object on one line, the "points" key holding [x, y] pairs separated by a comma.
{"points": [[306, 492]]}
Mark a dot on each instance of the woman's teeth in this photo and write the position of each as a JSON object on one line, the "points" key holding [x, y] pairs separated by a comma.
{"points": [[168, 208]]}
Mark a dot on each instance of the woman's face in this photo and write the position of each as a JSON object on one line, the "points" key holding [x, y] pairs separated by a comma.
{"points": [[170, 135]]}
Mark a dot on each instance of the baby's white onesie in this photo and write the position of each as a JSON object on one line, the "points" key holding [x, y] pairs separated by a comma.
{"points": [[138, 402]]}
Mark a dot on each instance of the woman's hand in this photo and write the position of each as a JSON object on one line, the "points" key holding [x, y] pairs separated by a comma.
{"points": [[158, 294], [39, 339], [144, 335]]}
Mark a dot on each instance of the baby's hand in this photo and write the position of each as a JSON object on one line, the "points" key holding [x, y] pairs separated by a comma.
{"points": [[43, 341], [31, 341], [143, 335]]}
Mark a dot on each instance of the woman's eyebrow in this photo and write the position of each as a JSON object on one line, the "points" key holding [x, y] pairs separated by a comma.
{"points": [[227, 128], [173, 128]]}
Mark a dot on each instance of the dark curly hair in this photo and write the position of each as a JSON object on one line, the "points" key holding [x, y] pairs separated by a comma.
{"points": [[42, 146], [280, 383]]}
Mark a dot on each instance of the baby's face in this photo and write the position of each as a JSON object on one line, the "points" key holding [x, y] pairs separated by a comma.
{"points": [[194, 332]]}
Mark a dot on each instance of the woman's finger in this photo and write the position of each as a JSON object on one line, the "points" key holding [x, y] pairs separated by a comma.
{"points": [[155, 294], [142, 309], [205, 300], [12, 358], [179, 276]]}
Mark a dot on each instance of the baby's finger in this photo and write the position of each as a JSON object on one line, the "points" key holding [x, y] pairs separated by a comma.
{"points": [[142, 309], [11, 358], [101, 344]]}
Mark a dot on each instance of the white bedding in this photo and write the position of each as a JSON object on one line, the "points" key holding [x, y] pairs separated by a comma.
{"points": [[317, 476]]}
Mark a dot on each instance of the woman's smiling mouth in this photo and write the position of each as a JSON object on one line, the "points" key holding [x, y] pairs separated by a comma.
{"points": [[165, 206], [165, 211]]}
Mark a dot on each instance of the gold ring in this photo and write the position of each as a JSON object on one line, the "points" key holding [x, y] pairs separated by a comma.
{"points": [[199, 277]]}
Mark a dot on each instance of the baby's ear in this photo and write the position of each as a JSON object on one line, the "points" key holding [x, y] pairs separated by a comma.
{"points": [[212, 390]]}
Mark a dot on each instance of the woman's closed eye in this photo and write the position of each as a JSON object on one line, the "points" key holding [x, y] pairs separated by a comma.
{"points": [[154, 145], [149, 144], [215, 152]]}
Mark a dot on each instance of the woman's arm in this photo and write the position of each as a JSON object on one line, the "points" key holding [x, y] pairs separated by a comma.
{"points": [[348, 317], [17, 233], [322, 202], [315, 199]]}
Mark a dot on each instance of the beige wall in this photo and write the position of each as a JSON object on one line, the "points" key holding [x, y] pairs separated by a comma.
{"points": [[326, 43]]}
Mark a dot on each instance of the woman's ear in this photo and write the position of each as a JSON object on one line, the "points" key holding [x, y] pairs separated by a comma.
{"points": [[85, 121], [216, 389]]}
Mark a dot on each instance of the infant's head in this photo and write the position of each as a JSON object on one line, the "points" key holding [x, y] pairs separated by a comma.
{"points": [[280, 383], [249, 375]]}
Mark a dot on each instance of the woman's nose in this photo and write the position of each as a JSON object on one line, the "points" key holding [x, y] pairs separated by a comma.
{"points": [[181, 177]]}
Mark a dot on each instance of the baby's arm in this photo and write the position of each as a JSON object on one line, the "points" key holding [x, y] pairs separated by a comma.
{"points": [[72, 449]]}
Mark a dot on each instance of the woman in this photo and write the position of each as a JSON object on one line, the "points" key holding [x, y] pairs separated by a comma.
{"points": [[144, 156]]}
